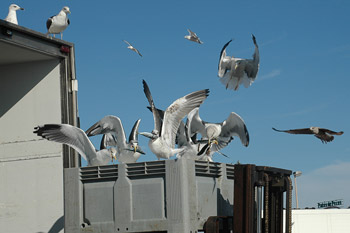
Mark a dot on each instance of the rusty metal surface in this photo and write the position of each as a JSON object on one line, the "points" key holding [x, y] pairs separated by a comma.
{"points": [[275, 182], [218, 224]]}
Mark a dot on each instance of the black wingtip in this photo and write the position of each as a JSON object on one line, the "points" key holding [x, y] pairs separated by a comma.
{"points": [[254, 40]]}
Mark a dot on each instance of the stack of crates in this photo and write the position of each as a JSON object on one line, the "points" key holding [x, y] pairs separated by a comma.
{"points": [[159, 196]]}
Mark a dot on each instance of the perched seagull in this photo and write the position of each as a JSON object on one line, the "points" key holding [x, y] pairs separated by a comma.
{"points": [[58, 23], [162, 138], [193, 37], [114, 135], [240, 70], [218, 133], [77, 139], [325, 135], [12, 16], [132, 48]]}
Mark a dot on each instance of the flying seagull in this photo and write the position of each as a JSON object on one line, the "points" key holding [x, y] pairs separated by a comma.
{"points": [[190, 145], [133, 48], [12, 16], [235, 71], [218, 134], [58, 23], [114, 135], [325, 135], [162, 138], [77, 139], [193, 37]]}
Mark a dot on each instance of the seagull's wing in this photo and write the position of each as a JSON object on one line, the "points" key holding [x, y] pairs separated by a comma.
{"points": [[127, 43], [69, 135], [195, 124], [223, 52], [181, 136], [252, 65], [191, 33], [235, 126], [156, 118], [296, 131], [177, 111], [49, 22], [133, 137], [109, 124], [108, 139], [331, 132], [138, 52]]}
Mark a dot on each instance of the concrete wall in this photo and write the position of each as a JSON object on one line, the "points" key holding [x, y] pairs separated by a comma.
{"points": [[31, 171]]}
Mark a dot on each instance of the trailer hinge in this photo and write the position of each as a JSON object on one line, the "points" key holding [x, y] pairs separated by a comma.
{"points": [[74, 84]]}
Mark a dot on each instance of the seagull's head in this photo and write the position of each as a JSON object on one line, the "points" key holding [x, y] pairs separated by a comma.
{"points": [[66, 10], [135, 147], [154, 135], [15, 7], [315, 130], [113, 153]]}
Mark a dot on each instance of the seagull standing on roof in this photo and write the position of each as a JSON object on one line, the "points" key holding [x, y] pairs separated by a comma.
{"points": [[193, 37], [77, 139], [12, 16], [162, 138], [235, 71], [217, 134], [114, 135], [325, 135], [58, 23], [132, 48]]}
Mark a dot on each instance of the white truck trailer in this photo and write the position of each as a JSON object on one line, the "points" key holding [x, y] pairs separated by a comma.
{"points": [[37, 86]]}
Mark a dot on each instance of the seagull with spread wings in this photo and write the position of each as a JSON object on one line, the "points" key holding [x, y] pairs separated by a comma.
{"points": [[236, 71], [218, 135], [193, 37], [78, 140], [325, 135], [163, 136], [114, 135], [132, 48]]}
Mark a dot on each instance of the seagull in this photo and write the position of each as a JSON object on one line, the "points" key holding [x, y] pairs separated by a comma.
{"points": [[58, 23], [77, 139], [12, 16], [191, 146], [325, 135], [114, 135], [218, 134], [162, 138], [193, 37], [132, 48], [240, 70]]}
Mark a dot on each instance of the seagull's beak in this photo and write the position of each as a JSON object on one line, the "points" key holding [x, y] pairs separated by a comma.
{"points": [[215, 142], [22, 9], [93, 130], [149, 135], [68, 12]]}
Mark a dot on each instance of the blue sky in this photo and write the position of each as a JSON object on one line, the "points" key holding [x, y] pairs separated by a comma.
{"points": [[303, 78]]}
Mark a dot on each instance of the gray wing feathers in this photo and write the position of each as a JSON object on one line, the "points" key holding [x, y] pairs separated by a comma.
{"points": [[177, 111], [235, 126], [69, 135]]}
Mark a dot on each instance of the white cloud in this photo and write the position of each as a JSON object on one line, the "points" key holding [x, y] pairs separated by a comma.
{"points": [[324, 184], [272, 74]]}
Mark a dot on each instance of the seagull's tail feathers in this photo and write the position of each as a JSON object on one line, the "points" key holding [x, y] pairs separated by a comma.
{"points": [[230, 82]]}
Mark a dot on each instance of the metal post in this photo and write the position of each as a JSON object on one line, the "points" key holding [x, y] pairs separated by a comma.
{"points": [[259, 209]]}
